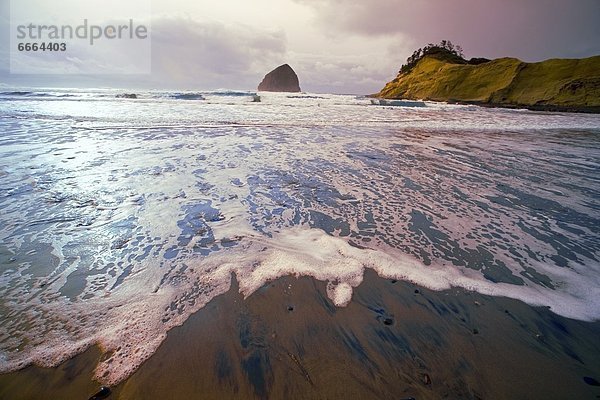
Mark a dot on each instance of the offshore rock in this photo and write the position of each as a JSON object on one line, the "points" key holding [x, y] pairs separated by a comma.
{"points": [[281, 79]]}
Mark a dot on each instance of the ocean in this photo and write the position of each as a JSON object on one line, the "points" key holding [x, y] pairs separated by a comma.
{"points": [[121, 217]]}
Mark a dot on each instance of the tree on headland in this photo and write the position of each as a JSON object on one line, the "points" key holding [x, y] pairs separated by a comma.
{"points": [[445, 49]]}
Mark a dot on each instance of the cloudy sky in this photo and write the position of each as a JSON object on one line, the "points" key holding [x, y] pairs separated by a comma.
{"points": [[339, 46]]}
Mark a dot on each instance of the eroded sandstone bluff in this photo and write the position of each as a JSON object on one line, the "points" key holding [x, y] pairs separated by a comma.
{"points": [[551, 85], [281, 79]]}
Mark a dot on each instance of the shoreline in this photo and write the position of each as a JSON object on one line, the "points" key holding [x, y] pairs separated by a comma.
{"points": [[394, 340], [532, 107]]}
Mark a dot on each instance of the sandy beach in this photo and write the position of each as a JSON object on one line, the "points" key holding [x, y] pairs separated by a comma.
{"points": [[303, 247], [394, 340]]}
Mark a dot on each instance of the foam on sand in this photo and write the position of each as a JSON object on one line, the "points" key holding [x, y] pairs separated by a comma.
{"points": [[130, 323], [121, 219]]}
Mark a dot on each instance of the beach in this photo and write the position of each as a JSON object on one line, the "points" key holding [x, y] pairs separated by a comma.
{"points": [[395, 340], [203, 245]]}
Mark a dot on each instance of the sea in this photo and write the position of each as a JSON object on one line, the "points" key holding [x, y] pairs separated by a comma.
{"points": [[120, 217]]}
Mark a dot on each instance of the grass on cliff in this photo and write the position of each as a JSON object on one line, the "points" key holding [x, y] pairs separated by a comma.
{"points": [[438, 80], [557, 81], [502, 81]]}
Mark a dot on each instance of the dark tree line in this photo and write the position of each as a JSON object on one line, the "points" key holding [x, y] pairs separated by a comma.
{"points": [[445, 48]]}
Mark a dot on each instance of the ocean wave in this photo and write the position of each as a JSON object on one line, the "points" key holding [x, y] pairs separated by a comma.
{"points": [[398, 103], [34, 94], [183, 96], [231, 93]]}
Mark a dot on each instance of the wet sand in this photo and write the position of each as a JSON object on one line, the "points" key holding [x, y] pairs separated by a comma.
{"points": [[394, 340]]}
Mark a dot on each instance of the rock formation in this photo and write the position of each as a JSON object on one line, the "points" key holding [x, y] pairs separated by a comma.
{"points": [[281, 79], [552, 85]]}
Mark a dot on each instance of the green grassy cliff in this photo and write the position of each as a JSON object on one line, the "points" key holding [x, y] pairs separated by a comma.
{"points": [[558, 84]]}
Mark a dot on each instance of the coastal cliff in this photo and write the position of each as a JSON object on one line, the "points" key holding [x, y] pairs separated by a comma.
{"points": [[551, 85]]}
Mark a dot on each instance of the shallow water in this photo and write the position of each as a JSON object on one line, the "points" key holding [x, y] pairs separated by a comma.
{"points": [[119, 218]]}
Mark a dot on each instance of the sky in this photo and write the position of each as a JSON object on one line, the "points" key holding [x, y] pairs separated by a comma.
{"points": [[335, 46]]}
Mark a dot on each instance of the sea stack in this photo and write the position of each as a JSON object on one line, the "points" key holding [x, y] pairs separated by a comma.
{"points": [[281, 79]]}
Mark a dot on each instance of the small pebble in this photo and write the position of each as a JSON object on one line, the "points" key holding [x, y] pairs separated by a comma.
{"points": [[388, 321], [290, 308], [426, 379], [417, 291], [103, 393], [591, 381], [475, 331]]}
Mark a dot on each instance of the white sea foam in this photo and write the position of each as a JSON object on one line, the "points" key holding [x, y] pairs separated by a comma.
{"points": [[131, 323], [121, 219]]}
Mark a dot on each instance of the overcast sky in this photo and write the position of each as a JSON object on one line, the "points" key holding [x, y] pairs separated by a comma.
{"points": [[339, 46]]}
